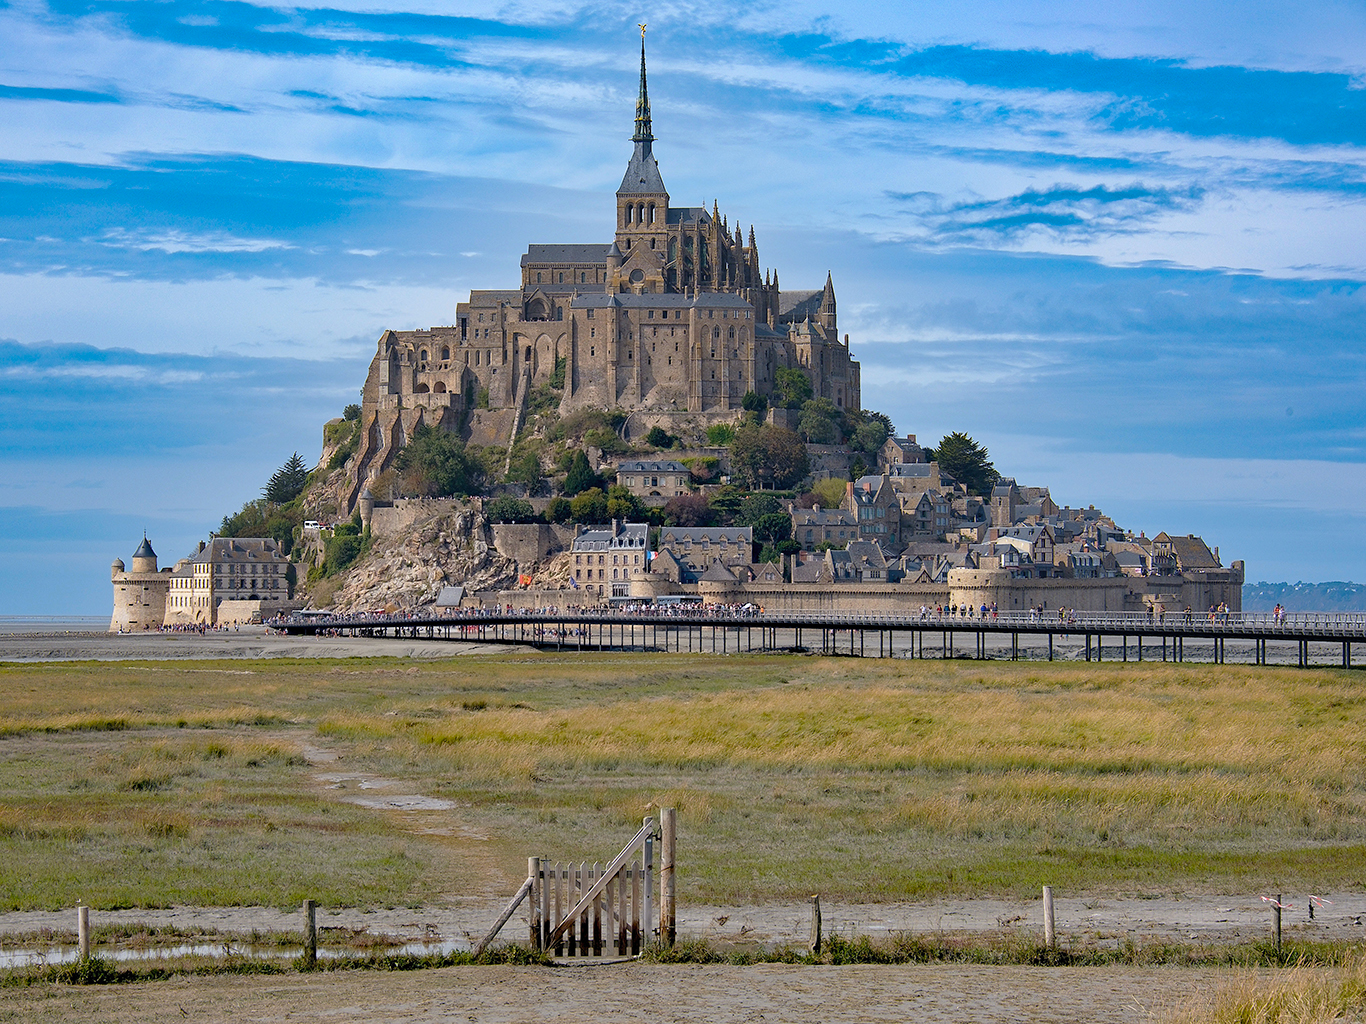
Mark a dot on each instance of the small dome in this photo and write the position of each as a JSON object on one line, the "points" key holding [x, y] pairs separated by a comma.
{"points": [[144, 550], [118, 565]]}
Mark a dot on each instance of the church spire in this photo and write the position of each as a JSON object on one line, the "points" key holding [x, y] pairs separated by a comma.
{"points": [[643, 132]]}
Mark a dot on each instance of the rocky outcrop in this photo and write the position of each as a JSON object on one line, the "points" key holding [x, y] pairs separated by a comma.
{"points": [[408, 568]]}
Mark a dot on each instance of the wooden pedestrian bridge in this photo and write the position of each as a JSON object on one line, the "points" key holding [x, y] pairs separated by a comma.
{"points": [[1304, 639]]}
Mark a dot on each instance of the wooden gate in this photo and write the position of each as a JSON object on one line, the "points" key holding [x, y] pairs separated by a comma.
{"points": [[590, 910]]}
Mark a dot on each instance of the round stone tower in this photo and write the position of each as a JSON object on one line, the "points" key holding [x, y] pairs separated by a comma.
{"points": [[139, 593]]}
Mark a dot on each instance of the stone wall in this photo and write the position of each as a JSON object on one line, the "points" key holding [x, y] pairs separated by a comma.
{"points": [[525, 543]]}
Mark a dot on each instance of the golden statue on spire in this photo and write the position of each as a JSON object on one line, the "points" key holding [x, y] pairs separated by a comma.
{"points": [[641, 26]]}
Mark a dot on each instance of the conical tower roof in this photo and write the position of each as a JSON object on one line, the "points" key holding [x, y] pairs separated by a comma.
{"points": [[144, 549]]}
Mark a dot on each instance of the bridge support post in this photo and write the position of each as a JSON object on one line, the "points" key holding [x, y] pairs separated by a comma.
{"points": [[1050, 645]]}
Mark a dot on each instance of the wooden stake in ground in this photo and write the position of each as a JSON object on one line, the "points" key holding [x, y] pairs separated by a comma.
{"points": [[1276, 919], [1050, 937], [310, 933], [668, 923], [816, 923], [83, 931]]}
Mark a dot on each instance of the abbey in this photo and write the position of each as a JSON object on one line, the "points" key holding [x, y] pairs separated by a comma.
{"points": [[673, 317]]}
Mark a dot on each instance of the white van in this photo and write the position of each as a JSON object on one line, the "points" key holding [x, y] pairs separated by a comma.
{"points": [[313, 524]]}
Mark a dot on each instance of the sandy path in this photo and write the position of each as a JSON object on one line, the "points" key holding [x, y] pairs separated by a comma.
{"points": [[249, 642], [638, 992]]}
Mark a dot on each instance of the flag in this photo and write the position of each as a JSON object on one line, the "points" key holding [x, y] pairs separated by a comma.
{"points": [[525, 580]]}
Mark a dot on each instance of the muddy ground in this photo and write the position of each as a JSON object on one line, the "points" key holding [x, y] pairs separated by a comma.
{"points": [[641, 992]]}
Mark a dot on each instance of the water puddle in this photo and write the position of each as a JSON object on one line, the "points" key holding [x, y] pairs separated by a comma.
{"points": [[374, 791], [18, 958]]}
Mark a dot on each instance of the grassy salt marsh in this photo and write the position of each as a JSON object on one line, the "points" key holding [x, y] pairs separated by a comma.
{"points": [[153, 784]]}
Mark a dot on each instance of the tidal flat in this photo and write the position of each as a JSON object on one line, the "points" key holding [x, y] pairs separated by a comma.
{"points": [[225, 783]]}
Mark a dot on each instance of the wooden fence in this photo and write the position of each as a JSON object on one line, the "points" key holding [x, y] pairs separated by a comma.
{"points": [[591, 910]]}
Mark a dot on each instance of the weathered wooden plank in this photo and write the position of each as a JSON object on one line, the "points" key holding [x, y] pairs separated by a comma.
{"points": [[611, 870], [526, 888], [635, 908]]}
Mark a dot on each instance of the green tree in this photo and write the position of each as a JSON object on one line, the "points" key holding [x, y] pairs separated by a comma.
{"points": [[720, 434], [830, 493], [622, 504], [351, 412], [755, 403], [817, 423], [688, 510], [525, 465], [435, 464], [754, 507], [872, 433], [560, 510], [768, 456], [287, 482], [589, 507], [967, 462], [658, 437], [509, 510], [725, 504], [791, 388], [580, 476], [557, 375]]}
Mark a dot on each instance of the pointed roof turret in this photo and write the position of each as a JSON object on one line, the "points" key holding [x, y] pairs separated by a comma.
{"points": [[144, 549], [642, 173], [828, 299]]}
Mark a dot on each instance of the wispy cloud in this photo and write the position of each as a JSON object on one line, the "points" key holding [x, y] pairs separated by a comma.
{"points": [[1066, 212], [173, 241]]}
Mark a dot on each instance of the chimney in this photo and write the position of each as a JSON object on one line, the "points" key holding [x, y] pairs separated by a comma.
{"points": [[849, 490]]}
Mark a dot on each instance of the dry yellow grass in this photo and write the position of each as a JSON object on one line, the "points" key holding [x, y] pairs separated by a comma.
{"points": [[912, 778]]}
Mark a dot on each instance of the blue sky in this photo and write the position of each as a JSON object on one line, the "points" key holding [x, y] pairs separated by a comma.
{"points": [[1121, 245]]}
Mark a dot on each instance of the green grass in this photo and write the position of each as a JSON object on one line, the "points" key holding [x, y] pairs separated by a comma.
{"points": [[149, 784]]}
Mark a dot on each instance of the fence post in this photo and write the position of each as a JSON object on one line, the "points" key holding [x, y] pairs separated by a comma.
{"points": [[816, 923], [668, 923], [310, 933], [1050, 938], [647, 912], [83, 930], [533, 872], [1276, 919]]}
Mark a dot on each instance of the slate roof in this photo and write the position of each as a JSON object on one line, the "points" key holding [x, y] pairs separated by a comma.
{"points": [[639, 466], [612, 537], [688, 215], [586, 252], [711, 534], [144, 550], [491, 297], [718, 573], [642, 173], [799, 305]]}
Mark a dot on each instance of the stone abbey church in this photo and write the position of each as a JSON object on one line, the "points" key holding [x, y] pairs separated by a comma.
{"points": [[672, 320]]}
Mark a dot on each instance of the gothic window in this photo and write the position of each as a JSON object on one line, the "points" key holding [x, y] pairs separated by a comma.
{"points": [[652, 219], [445, 354], [528, 353], [583, 277], [652, 241], [562, 277], [538, 281], [732, 334]]}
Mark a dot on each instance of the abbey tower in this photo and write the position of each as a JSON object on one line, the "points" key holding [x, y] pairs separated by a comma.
{"points": [[673, 319]]}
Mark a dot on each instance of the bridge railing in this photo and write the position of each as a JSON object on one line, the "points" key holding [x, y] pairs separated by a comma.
{"points": [[1302, 624]]}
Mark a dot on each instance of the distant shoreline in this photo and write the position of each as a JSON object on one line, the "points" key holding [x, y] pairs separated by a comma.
{"points": [[10, 624]]}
